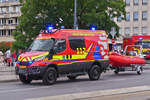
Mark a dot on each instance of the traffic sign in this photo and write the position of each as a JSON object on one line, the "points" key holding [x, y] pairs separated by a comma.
{"points": [[113, 32]]}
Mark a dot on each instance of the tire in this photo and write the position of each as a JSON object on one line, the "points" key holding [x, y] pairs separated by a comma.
{"points": [[94, 73], [24, 80], [72, 77], [116, 72], [139, 71], [50, 76]]}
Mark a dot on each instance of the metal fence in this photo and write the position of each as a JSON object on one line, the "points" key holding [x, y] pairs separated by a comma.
{"points": [[7, 72]]}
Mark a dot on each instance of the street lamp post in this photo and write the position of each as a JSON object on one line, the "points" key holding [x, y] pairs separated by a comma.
{"points": [[75, 15]]}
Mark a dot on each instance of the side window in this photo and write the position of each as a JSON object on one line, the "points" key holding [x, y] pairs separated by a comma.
{"points": [[76, 43], [60, 45]]}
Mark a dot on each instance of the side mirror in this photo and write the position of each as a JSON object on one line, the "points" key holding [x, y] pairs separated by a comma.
{"points": [[50, 55]]}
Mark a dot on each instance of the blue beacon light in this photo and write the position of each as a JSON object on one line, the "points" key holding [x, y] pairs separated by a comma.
{"points": [[62, 27], [50, 27], [30, 62], [93, 28], [140, 38]]}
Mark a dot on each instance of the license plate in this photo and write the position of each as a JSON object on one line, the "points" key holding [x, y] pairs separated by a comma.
{"points": [[22, 67]]}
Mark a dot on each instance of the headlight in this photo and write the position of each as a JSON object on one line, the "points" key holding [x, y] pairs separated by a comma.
{"points": [[40, 58]]}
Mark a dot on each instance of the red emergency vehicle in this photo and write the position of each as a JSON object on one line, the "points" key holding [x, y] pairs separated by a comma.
{"points": [[66, 52], [143, 40]]}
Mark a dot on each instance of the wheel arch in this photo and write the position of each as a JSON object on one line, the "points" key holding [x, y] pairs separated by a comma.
{"points": [[96, 63], [55, 67]]}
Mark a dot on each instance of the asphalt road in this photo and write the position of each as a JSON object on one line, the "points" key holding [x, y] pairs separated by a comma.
{"points": [[108, 80]]}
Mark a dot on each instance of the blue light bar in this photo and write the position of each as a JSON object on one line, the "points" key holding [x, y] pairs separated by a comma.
{"points": [[49, 27], [62, 27], [93, 28]]}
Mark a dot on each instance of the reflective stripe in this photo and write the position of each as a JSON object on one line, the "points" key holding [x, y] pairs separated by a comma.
{"points": [[58, 57], [79, 56], [39, 56]]}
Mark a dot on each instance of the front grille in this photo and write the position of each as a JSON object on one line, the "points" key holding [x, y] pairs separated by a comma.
{"points": [[34, 70]]}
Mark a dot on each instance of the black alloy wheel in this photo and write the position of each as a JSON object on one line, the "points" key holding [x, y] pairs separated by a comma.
{"points": [[50, 76], [94, 73]]}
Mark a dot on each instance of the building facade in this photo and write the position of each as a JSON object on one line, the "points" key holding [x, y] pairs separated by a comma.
{"points": [[137, 18], [9, 13]]}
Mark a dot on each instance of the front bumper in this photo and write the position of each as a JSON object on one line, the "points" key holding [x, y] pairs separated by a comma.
{"points": [[34, 71]]}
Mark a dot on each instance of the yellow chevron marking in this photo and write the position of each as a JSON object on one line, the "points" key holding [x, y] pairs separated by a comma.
{"points": [[24, 60], [28, 59]]}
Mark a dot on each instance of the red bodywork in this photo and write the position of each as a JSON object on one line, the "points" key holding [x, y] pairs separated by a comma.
{"points": [[135, 39]]}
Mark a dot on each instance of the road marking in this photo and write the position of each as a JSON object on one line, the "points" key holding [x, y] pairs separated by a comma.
{"points": [[26, 89], [94, 93]]}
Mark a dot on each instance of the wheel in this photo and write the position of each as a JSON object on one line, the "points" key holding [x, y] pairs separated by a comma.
{"points": [[72, 77], [94, 73], [50, 76], [139, 70], [25, 80], [116, 72]]}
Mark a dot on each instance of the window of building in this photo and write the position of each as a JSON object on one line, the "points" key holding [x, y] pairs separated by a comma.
{"points": [[76, 43], [144, 30], [2, 21], [10, 9], [2, 32], [119, 19], [10, 32], [135, 30], [135, 16], [127, 30], [144, 2], [128, 16], [3, 10], [144, 15], [18, 9], [135, 2], [10, 21], [16, 21], [127, 2]]}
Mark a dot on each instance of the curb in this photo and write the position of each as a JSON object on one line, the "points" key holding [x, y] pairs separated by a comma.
{"points": [[97, 94], [11, 80]]}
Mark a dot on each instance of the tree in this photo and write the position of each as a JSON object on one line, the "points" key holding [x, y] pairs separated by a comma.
{"points": [[4, 47], [36, 14]]}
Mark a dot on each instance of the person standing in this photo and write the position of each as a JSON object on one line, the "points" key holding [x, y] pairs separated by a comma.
{"points": [[8, 57], [13, 58]]}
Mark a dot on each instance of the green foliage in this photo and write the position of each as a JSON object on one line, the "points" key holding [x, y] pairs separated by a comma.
{"points": [[3, 47], [36, 14]]}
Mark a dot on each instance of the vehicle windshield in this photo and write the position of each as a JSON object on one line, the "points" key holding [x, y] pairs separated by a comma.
{"points": [[145, 44], [41, 45]]}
